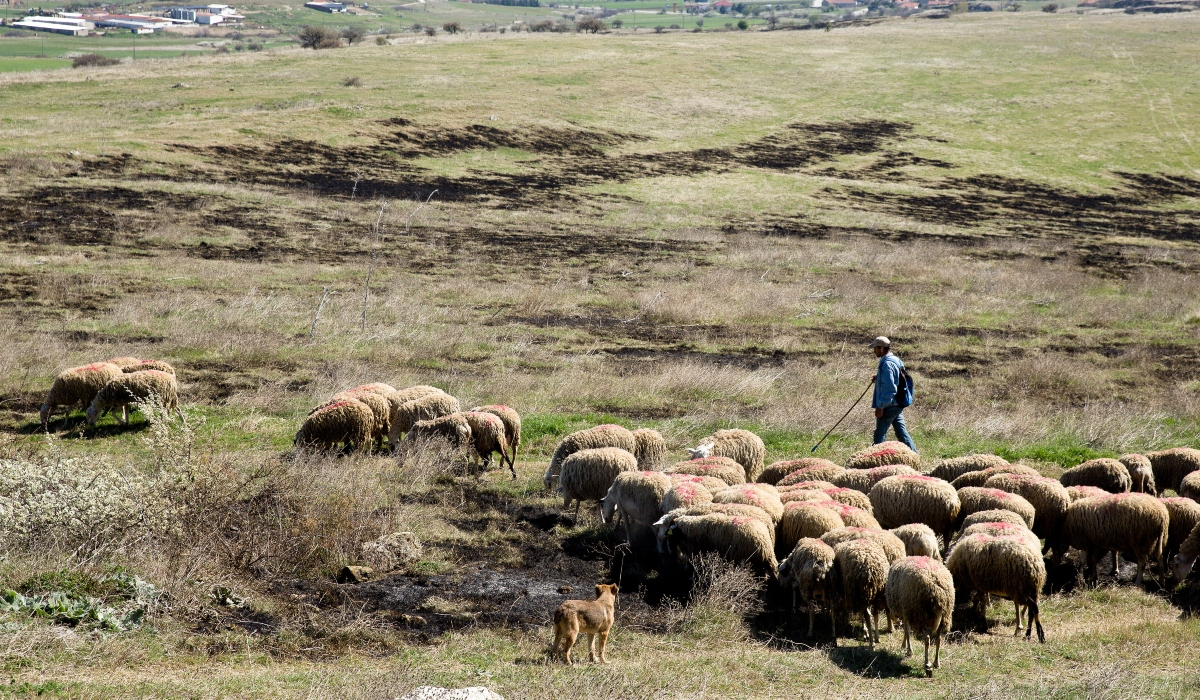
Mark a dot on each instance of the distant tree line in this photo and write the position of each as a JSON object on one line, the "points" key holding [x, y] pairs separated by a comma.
{"points": [[514, 3]]}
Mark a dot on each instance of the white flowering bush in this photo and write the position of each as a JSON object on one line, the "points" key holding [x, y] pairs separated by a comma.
{"points": [[76, 503]]}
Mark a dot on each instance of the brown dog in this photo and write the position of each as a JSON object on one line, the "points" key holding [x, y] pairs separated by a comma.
{"points": [[592, 617]]}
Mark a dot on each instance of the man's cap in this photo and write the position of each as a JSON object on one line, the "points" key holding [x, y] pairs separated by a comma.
{"points": [[881, 342]]}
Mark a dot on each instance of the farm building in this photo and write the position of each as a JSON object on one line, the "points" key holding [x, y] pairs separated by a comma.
{"points": [[73, 26], [326, 6]]}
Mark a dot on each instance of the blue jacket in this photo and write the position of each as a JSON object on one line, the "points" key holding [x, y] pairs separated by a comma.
{"points": [[887, 380]]}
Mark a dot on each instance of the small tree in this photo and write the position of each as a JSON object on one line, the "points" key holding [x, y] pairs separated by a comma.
{"points": [[589, 24], [319, 38], [430, 31], [617, 24], [1052, 7], [352, 35], [659, 29], [452, 27], [381, 41], [699, 23], [743, 24]]}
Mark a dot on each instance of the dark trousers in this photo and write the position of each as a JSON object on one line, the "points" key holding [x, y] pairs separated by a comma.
{"points": [[893, 417]]}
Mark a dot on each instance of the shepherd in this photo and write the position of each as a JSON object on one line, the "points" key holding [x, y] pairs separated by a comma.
{"points": [[893, 393]]}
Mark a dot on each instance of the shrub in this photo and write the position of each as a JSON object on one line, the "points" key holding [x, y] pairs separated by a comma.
{"points": [[616, 23], [430, 31], [452, 27], [93, 60], [352, 81], [543, 26], [1051, 7], [659, 29], [743, 24], [352, 35], [319, 38], [589, 24], [255, 46], [699, 23], [381, 41], [674, 26]]}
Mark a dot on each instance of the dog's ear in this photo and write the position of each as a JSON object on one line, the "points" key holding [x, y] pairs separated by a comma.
{"points": [[614, 588], [599, 589]]}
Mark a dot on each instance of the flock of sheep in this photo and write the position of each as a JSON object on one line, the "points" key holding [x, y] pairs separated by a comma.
{"points": [[104, 386], [863, 539], [860, 539]]}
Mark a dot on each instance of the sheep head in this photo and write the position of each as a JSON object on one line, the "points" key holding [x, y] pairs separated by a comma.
{"points": [[45, 415], [92, 414], [1183, 566], [608, 504], [704, 449]]}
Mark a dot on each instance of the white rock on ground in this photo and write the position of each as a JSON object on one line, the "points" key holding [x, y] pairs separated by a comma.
{"points": [[429, 692]]}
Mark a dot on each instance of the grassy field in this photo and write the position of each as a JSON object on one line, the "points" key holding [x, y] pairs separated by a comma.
{"points": [[680, 231]]}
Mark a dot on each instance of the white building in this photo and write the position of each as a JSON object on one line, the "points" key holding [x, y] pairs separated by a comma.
{"points": [[74, 26]]}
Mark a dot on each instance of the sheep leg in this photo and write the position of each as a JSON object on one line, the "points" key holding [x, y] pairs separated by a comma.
{"points": [[794, 609], [937, 651], [125, 414], [1035, 615], [907, 645], [1117, 565], [870, 630], [811, 614], [1018, 623], [1141, 569], [833, 625], [928, 668], [575, 520]]}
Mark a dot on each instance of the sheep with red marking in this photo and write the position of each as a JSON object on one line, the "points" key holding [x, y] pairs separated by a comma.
{"points": [[1050, 500], [637, 496], [864, 479], [919, 540], [861, 566], [800, 520], [977, 498], [1183, 513], [684, 494], [808, 572], [1076, 493], [722, 468], [347, 422], [125, 390], [951, 469], [650, 449], [776, 472], [1003, 566], [431, 406], [512, 428], [753, 494], [882, 455], [980, 478], [738, 538], [488, 436]]}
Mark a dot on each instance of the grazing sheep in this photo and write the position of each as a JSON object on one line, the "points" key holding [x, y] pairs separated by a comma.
{"points": [[807, 486], [637, 496], [1189, 549], [776, 471], [1077, 492], [650, 449], [711, 483], [399, 397], [865, 479], [738, 538], [853, 517], [761, 495], [663, 524], [892, 546], [429, 407], [992, 516], [920, 592], [1184, 513], [123, 361], [347, 422], [861, 566], [802, 520], [143, 365], [1124, 522], [814, 471], [607, 435], [453, 428], [742, 446], [951, 469], [1141, 473], [512, 428], [1108, 474], [487, 436], [78, 385], [722, 468], [588, 474], [683, 495], [807, 571], [980, 478], [1004, 529], [851, 497], [1050, 500], [1190, 486], [804, 496], [882, 455], [1003, 566], [913, 498], [381, 410], [977, 498], [125, 389], [919, 540], [1171, 466]]}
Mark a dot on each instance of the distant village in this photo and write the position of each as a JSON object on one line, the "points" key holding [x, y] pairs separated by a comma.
{"points": [[88, 22]]}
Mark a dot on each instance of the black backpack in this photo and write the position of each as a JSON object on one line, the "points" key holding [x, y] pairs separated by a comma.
{"points": [[904, 389]]}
